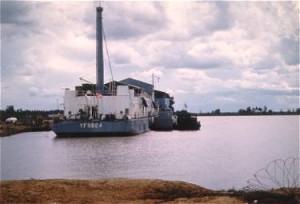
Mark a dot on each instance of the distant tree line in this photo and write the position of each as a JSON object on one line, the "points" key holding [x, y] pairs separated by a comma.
{"points": [[27, 116], [253, 111]]}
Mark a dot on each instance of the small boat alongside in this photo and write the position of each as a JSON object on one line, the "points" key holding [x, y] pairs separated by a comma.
{"points": [[184, 120]]}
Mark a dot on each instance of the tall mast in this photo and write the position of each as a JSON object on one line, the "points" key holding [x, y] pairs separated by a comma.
{"points": [[99, 52]]}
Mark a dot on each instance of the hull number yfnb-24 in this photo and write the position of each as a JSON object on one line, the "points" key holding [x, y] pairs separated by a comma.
{"points": [[90, 125]]}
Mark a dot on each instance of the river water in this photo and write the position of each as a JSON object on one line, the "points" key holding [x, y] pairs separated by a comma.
{"points": [[224, 154]]}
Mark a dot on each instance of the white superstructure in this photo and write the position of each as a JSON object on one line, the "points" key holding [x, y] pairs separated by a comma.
{"points": [[127, 102]]}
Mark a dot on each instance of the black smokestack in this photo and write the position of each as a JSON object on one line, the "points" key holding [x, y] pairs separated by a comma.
{"points": [[99, 52]]}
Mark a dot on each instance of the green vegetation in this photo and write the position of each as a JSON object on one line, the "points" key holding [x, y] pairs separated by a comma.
{"points": [[27, 120], [28, 117], [252, 111]]}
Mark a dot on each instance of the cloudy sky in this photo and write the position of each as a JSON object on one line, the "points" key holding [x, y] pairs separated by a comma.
{"points": [[208, 55]]}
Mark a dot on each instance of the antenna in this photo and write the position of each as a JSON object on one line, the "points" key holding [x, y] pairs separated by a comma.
{"points": [[153, 79]]}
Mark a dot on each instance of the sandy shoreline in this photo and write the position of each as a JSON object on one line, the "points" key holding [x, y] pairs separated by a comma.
{"points": [[109, 191]]}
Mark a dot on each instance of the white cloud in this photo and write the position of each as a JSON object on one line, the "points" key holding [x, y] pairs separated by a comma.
{"points": [[207, 54]]}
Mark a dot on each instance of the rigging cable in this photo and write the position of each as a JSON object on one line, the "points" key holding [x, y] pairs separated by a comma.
{"points": [[112, 77]]}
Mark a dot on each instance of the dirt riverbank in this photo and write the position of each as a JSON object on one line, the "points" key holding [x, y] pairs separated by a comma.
{"points": [[109, 191], [11, 129], [132, 191]]}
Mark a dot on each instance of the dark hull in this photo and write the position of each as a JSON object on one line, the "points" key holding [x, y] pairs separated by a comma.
{"points": [[188, 125], [186, 121], [163, 121], [98, 128]]}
